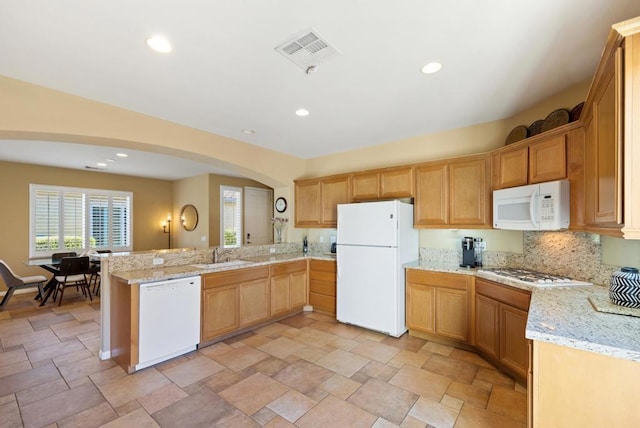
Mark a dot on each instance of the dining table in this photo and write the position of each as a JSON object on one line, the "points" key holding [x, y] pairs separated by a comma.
{"points": [[50, 266]]}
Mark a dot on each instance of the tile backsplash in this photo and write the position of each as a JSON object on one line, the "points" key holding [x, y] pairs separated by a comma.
{"points": [[574, 254]]}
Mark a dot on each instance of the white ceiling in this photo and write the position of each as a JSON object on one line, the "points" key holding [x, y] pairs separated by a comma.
{"points": [[499, 57]]}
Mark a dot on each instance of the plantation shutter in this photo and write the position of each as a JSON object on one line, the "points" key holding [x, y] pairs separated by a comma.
{"points": [[46, 220]]}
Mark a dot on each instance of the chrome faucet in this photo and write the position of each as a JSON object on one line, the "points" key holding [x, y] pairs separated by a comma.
{"points": [[219, 252]]}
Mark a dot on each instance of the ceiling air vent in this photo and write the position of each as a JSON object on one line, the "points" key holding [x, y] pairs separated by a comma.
{"points": [[307, 49]]}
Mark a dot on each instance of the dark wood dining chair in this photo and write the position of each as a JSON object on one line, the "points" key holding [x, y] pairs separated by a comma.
{"points": [[57, 257], [15, 282], [73, 272], [95, 278]]}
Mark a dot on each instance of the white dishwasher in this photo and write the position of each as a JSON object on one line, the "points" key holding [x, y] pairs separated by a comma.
{"points": [[169, 319]]}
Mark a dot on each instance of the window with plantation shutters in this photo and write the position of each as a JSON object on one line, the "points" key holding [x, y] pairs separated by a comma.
{"points": [[230, 216], [71, 219]]}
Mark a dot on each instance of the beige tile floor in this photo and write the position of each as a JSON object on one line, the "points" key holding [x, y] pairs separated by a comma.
{"points": [[305, 371]]}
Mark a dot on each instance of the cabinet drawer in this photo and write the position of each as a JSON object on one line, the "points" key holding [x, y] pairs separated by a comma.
{"points": [[503, 293], [235, 276], [322, 266], [285, 268], [322, 287], [439, 279], [321, 301]]}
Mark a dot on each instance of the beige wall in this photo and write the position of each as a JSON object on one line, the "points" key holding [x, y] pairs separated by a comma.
{"points": [[152, 200], [194, 191]]}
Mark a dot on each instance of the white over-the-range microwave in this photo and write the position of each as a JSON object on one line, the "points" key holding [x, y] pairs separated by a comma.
{"points": [[543, 206]]}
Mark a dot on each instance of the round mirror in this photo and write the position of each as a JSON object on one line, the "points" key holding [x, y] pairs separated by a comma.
{"points": [[189, 217]]}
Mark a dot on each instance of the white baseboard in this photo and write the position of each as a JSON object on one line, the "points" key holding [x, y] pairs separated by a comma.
{"points": [[307, 308], [104, 355]]}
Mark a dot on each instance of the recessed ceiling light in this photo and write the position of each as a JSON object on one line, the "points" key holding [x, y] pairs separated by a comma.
{"points": [[122, 155], [302, 112], [102, 164], [248, 131], [159, 44], [110, 160], [432, 67]]}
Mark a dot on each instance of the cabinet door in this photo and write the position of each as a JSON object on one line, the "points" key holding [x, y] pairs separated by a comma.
{"points": [[279, 294], [396, 183], [469, 192], [487, 325], [513, 167], [420, 306], [307, 203], [548, 160], [219, 311], [452, 313], [365, 186], [297, 290], [608, 172], [431, 205], [254, 301], [334, 191], [514, 347]]}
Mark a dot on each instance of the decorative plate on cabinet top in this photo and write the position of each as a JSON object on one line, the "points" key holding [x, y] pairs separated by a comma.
{"points": [[518, 133], [536, 127], [575, 112], [556, 118]]}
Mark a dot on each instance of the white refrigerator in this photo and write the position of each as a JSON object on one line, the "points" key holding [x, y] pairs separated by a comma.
{"points": [[374, 240]]}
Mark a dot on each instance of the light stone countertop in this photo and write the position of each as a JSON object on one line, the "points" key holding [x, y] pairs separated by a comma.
{"points": [[162, 273], [564, 316]]}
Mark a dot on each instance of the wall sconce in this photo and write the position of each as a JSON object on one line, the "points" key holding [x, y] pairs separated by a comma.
{"points": [[166, 228]]}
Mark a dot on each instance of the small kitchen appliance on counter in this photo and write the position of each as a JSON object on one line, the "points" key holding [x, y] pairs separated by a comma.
{"points": [[468, 254]]}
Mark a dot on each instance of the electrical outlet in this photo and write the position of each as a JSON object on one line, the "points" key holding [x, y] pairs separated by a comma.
{"points": [[484, 245], [272, 250], [158, 261]]}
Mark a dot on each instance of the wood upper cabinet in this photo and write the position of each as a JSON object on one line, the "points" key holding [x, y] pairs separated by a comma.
{"points": [[440, 304], [322, 285], [511, 167], [307, 204], [500, 324], [603, 156], [365, 185], [469, 192], [383, 184], [548, 159], [530, 162], [453, 192], [317, 200], [333, 191], [288, 287], [431, 204]]}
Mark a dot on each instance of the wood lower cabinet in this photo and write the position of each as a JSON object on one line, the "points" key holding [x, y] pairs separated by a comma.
{"points": [[288, 287], [440, 304], [219, 311], [501, 320], [322, 286], [233, 299], [488, 326]]}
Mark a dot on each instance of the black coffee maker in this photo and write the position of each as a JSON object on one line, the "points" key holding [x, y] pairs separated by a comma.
{"points": [[468, 255]]}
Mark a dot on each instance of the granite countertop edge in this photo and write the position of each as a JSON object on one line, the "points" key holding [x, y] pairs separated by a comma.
{"points": [[164, 273]]}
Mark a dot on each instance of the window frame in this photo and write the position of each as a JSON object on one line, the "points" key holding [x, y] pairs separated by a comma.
{"points": [[123, 200], [239, 219]]}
